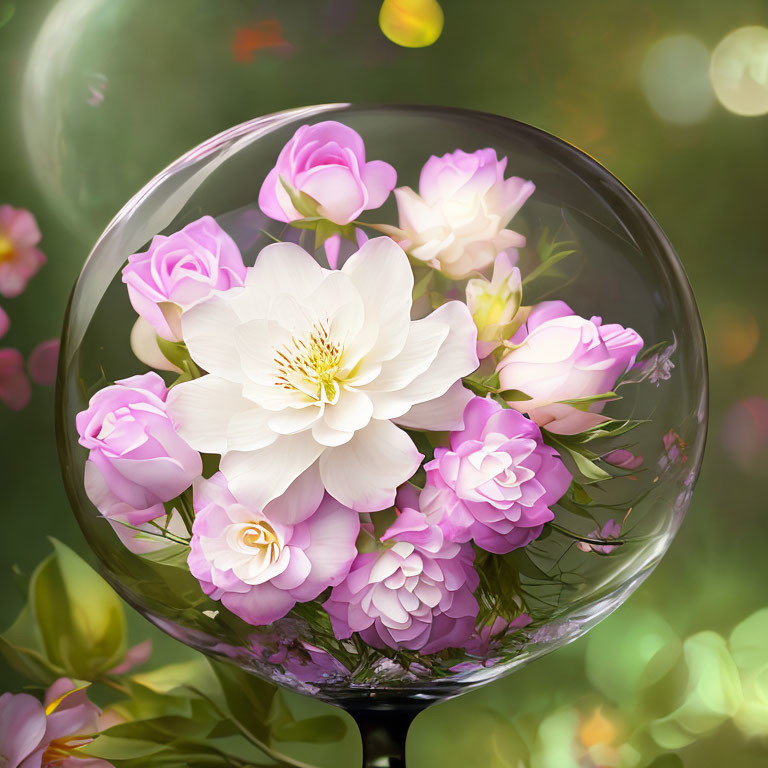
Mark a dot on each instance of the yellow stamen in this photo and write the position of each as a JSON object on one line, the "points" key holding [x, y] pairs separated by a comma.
{"points": [[7, 249]]}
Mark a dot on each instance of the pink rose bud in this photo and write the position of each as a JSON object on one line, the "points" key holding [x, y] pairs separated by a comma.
{"points": [[327, 162], [181, 270], [137, 461], [560, 356], [623, 459], [20, 260]]}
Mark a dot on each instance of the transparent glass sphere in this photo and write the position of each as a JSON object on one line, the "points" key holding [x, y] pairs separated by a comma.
{"points": [[588, 242]]}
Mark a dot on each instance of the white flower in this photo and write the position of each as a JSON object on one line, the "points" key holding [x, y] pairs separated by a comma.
{"points": [[308, 368], [457, 222]]}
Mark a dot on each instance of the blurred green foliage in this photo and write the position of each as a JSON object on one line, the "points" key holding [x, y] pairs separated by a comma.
{"points": [[679, 676]]}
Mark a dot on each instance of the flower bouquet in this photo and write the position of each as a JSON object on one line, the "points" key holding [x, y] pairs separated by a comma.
{"points": [[364, 455]]}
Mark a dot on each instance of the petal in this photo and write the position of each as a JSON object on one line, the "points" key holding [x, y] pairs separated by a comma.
{"points": [[382, 275], [261, 605], [286, 268], [257, 477], [456, 357], [206, 409], [300, 500], [22, 726], [380, 179], [364, 473]]}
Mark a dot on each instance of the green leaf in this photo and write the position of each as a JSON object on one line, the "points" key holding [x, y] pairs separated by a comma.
{"points": [[583, 403], [81, 620], [514, 395], [583, 459], [521, 561], [547, 265], [115, 748], [248, 698], [323, 729], [307, 206], [174, 555]]}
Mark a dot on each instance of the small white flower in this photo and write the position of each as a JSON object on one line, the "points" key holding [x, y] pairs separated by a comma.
{"points": [[308, 368]]}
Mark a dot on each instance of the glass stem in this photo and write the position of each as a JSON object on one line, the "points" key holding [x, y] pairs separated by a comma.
{"points": [[384, 732]]}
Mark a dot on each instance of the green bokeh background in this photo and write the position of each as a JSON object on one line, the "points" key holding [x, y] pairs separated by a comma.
{"points": [[570, 68]]}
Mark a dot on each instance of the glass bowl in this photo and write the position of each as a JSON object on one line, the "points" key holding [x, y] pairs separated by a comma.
{"points": [[548, 314]]}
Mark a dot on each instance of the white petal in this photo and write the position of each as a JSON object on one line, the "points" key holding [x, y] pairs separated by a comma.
{"points": [[443, 413], [257, 477], [208, 330], [364, 473], [300, 500], [205, 409], [353, 411], [457, 357], [381, 273], [286, 268], [424, 341]]}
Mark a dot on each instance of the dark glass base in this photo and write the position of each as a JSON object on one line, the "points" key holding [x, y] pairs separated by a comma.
{"points": [[384, 729]]}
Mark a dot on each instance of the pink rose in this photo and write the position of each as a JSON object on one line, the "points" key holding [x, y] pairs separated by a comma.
{"points": [[137, 461], [19, 259], [561, 356], [50, 734], [416, 593], [457, 221], [181, 270], [260, 568], [15, 390], [327, 162], [496, 482]]}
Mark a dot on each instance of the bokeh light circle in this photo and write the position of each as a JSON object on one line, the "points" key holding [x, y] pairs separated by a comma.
{"points": [[739, 71], [675, 79]]}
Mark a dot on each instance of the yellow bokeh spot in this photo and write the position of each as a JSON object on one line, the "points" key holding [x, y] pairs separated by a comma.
{"points": [[411, 23], [598, 729], [739, 71]]}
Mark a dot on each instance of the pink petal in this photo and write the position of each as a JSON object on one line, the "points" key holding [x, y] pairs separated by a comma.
{"points": [[22, 727], [43, 362], [15, 390]]}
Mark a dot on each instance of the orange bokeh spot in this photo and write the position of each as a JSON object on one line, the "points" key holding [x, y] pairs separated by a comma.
{"points": [[264, 35]]}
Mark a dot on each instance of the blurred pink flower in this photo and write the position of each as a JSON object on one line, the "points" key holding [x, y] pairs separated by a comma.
{"points": [[560, 356], [497, 481], [260, 568], [744, 432], [19, 258], [415, 593], [181, 270], [50, 734], [137, 461], [327, 162], [5, 322], [623, 459], [43, 362], [15, 390]]}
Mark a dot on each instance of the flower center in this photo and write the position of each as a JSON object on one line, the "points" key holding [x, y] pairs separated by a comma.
{"points": [[259, 539], [6, 249], [311, 364]]}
